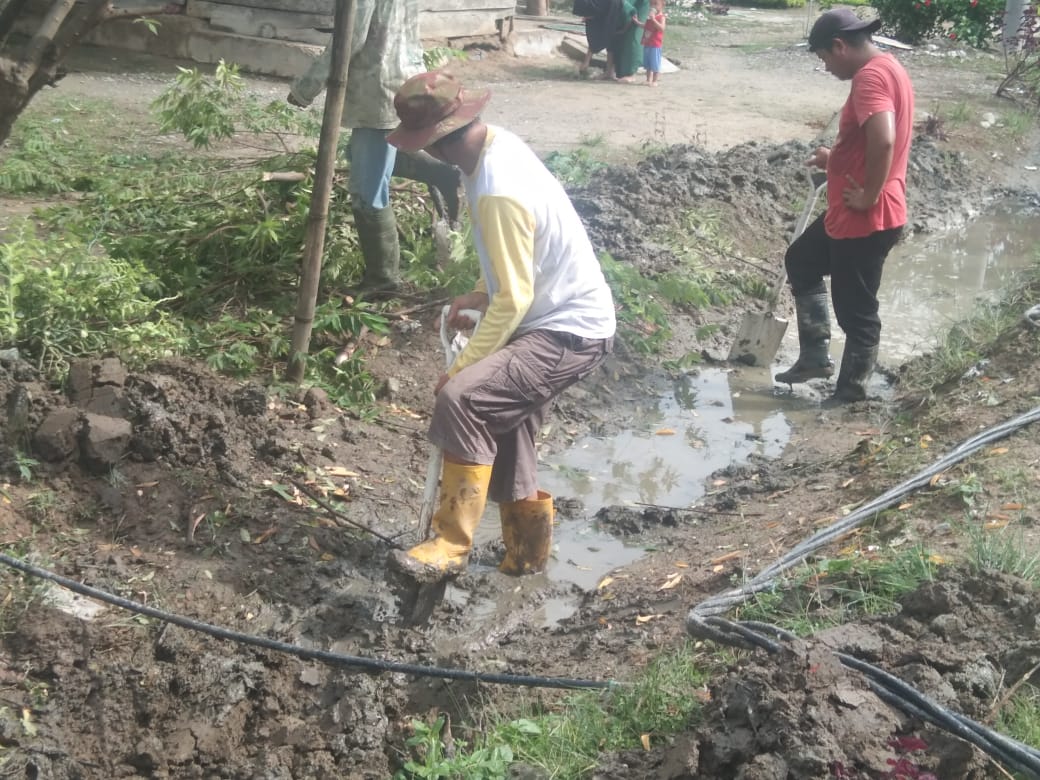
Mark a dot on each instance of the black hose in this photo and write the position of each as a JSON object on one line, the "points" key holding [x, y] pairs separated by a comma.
{"points": [[332, 659]]}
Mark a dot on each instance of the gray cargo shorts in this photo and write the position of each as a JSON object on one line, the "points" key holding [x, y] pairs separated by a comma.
{"points": [[491, 412]]}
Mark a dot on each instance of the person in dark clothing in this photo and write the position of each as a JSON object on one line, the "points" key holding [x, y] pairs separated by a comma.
{"points": [[604, 19]]}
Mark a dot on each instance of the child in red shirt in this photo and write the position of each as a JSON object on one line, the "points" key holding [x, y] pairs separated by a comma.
{"points": [[653, 37]]}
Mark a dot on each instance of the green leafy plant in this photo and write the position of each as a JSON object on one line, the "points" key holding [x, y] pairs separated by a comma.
{"points": [[66, 299], [434, 760], [199, 107], [644, 318], [25, 466], [573, 168], [207, 109], [974, 22]]}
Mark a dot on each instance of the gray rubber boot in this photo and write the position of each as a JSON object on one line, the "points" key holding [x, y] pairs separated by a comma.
{"points": [[441, 177], [857, 364], [377, 234], [814, 340]]}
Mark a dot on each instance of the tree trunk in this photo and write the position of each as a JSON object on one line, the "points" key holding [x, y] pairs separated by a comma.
{"points": [[537, 7], [37, 64], [325, 167]]}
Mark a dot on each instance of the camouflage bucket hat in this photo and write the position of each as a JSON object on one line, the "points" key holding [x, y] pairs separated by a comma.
{"points": [[430, 106]]}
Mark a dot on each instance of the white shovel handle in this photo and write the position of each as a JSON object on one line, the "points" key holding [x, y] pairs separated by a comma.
{"points": [[453, 345]]}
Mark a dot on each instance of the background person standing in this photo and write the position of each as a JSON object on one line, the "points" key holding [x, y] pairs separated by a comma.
{"points": [[866, 206], [384, 52], [653, 40]]}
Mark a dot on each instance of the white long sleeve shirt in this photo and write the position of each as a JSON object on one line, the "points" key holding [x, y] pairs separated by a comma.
{"points": [[537, 264]]}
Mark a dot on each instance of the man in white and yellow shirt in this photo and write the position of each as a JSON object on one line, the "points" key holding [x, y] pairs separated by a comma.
{"points": [[548, 321]]}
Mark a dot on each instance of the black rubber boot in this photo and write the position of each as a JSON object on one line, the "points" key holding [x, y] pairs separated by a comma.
{"points": [[814, 339], [377, 234], [444, 180], [857, 364]]}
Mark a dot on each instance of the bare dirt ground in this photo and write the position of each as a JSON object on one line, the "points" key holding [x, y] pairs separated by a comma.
{"points": [[201, 519]]}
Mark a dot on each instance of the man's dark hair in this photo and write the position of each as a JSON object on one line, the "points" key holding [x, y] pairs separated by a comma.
{"points": [[854, 38]]}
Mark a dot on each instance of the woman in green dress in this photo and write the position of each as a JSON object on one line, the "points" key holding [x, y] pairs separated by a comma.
{"points": [[626, 48]]}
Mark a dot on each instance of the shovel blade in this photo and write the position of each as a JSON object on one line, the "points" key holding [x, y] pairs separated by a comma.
{"points": [[758, 339]]}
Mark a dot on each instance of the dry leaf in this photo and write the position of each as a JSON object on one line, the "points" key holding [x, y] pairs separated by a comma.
{"points": [[265, 535], [640, 619], [935, 480], [938, 560], [664, 432], [681, 565], [604, 582], [727, 557], [340, 471], [674, 580], [645, 739], [998, 450], [313, 543], [717, 569], [147, 484], [993, 525], [848, 482], [905, 505], [1012, 506]]}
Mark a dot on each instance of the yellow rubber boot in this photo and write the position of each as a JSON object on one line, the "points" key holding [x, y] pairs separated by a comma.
{"points": [[463, 497], [527, 533]]}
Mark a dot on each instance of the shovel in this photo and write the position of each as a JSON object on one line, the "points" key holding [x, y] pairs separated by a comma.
{"points": [[419, 599], [760, 335]]}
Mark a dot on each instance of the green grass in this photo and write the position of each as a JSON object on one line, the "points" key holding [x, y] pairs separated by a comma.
{"points": [[567, 741], [1004, 550], [1020, 717], [1019, 123], [838, 590]]}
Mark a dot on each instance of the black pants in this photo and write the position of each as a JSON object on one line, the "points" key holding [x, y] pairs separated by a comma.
{"points": [[854, 265]]}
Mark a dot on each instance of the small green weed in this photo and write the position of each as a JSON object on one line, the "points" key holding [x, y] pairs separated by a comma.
{"points": [[1004, 550], [25, 466], [1019, 123], [434, 760], [572, 168]]}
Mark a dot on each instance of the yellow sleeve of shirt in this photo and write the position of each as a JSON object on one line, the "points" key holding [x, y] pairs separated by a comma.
{"points": [[508, 231]]}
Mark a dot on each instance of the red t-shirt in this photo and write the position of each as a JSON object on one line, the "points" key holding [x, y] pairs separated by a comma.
{"points": [[880, 85], [653, 38]]}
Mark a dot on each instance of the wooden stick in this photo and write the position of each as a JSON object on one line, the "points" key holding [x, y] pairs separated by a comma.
{"points": [[339, 516]]}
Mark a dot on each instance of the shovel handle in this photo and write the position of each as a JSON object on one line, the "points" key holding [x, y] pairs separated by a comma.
{"points": [[817, 184], [433, 468]]}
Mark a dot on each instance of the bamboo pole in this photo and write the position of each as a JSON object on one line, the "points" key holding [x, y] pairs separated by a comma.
{"points": [[325, 167]]}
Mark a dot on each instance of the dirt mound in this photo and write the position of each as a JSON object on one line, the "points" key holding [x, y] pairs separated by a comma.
{"points": [[757, 191], [803, 714]]}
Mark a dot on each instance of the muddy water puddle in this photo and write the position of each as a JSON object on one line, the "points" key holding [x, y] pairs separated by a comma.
{"points": [[931, 283], [673, 439]]}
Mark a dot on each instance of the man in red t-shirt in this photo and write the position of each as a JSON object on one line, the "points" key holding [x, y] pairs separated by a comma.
{"points": [[866, 206]]}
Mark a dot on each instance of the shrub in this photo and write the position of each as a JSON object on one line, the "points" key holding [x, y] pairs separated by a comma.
{"points": [[975, 22]]}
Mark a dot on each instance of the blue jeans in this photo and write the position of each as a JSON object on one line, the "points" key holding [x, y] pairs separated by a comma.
{"points": [[371, 164]]}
